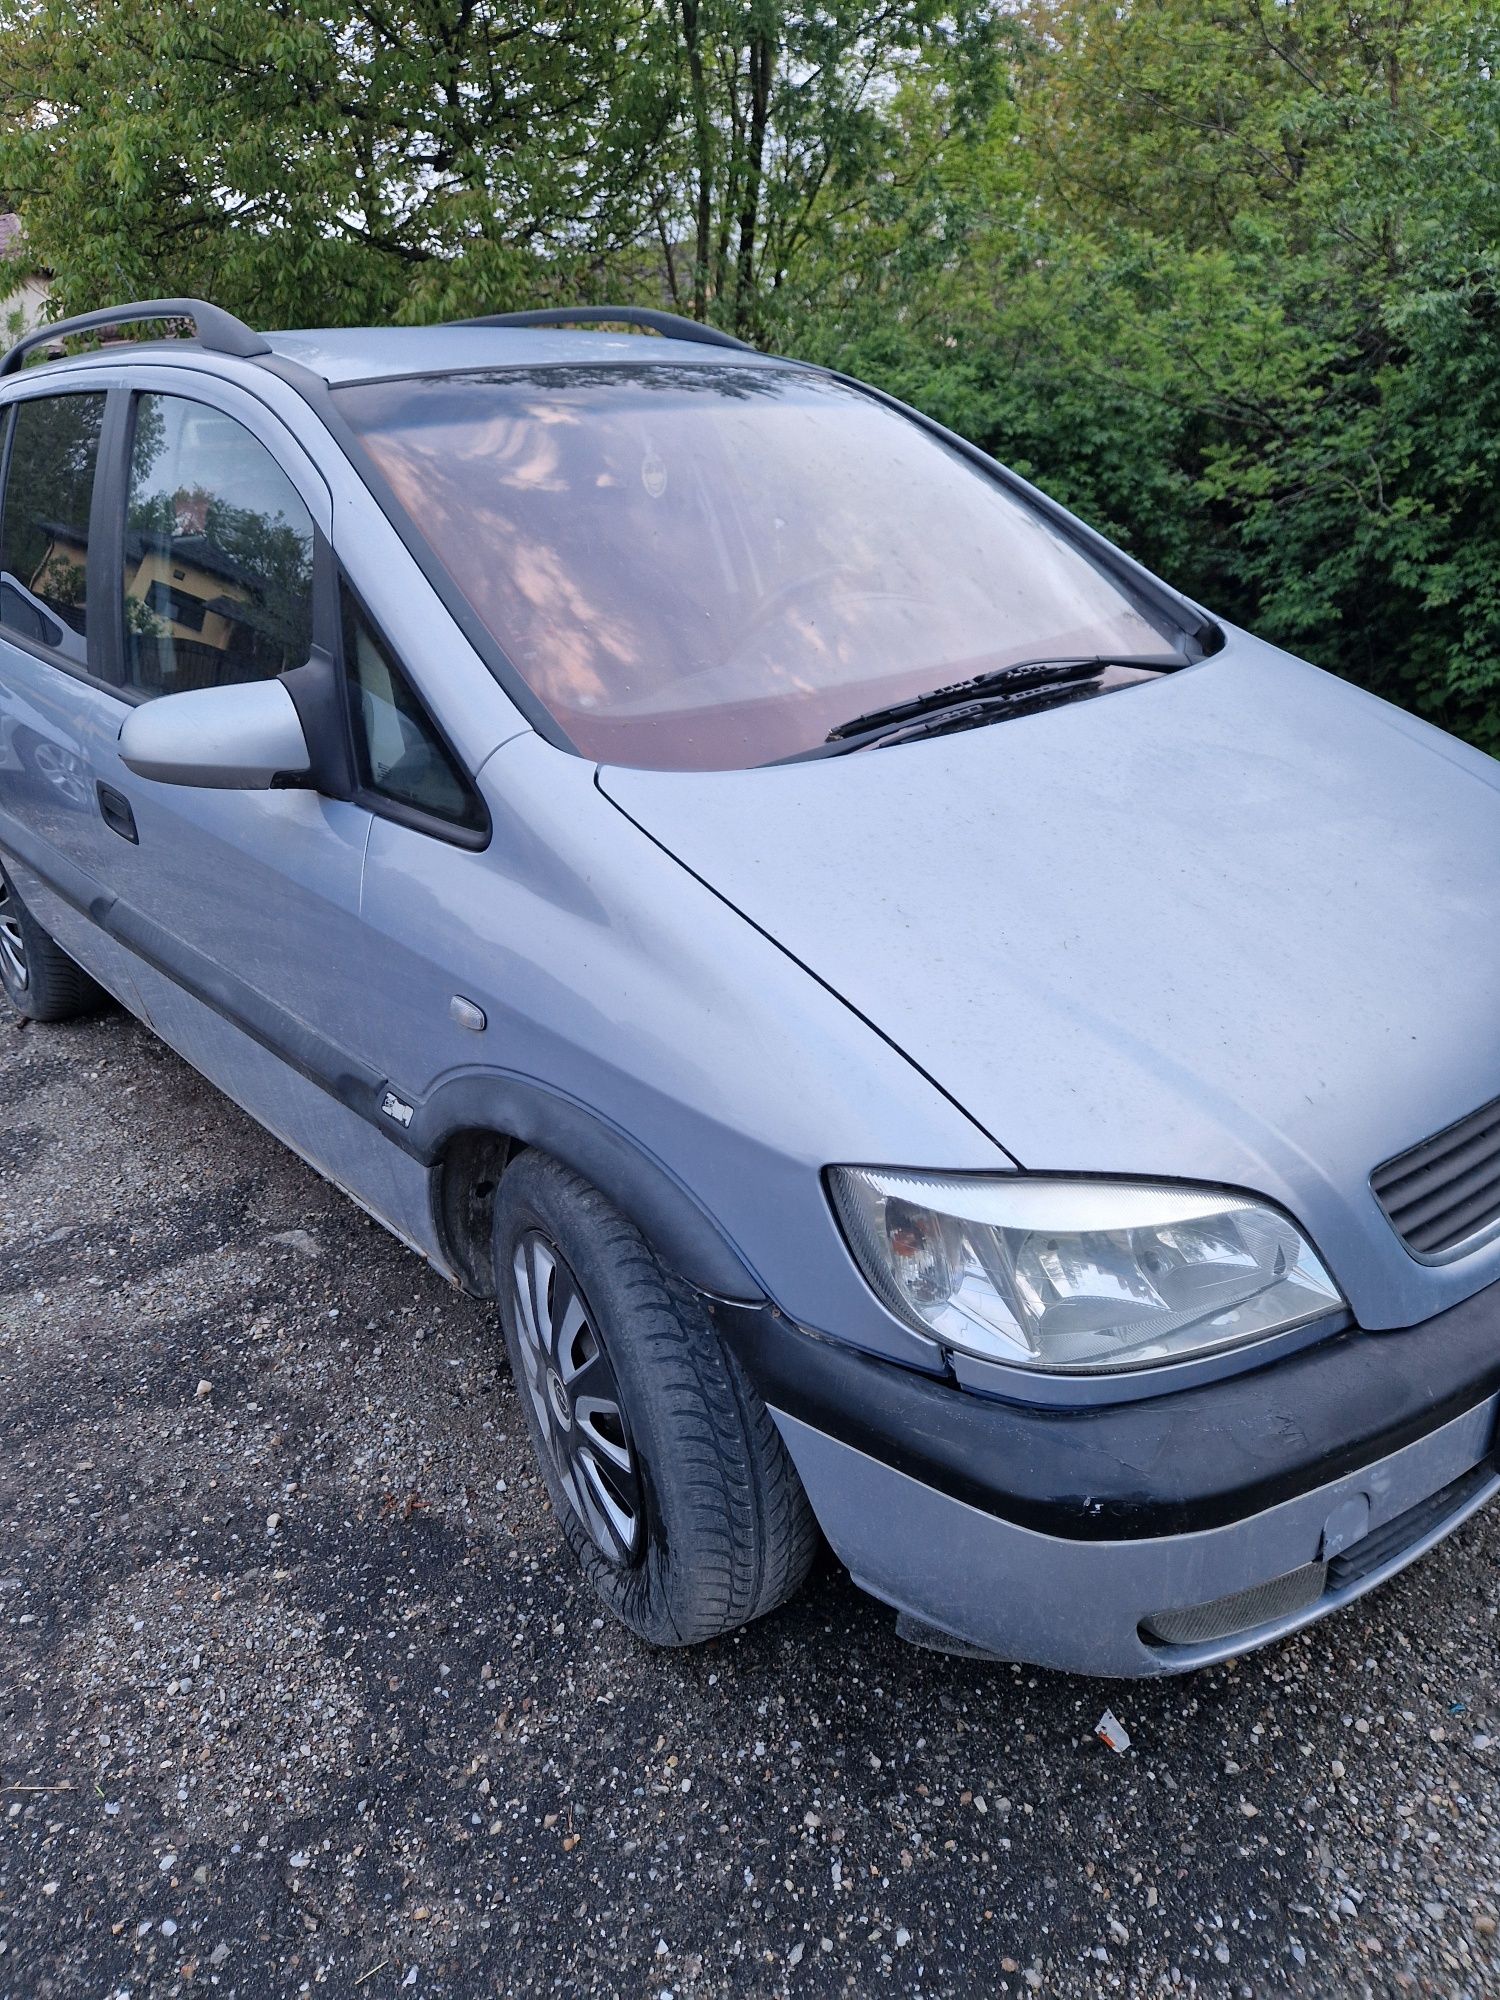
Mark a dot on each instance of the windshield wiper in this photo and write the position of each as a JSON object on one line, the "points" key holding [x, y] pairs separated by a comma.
{"points": [[1001, 685]]}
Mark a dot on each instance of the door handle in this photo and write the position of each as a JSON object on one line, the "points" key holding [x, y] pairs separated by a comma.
{"points": [[114, 810]]}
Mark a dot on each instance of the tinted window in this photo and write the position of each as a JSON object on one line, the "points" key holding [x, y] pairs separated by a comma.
{"points": [[44, 537], [696, 567], [400, 752], [218, 554]]}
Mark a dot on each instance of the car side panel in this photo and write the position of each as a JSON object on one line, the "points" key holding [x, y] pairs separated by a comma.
{"points": [[610, 977], [341, 1144]]}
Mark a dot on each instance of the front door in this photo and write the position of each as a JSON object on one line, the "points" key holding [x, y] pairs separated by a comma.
{"points": [[239, 911]]}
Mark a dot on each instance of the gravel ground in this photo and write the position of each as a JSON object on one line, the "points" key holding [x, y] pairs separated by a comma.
{"points": [[296, 1690]]}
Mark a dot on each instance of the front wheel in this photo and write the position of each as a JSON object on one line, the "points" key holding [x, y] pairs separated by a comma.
{"points": [[671, 1484]]}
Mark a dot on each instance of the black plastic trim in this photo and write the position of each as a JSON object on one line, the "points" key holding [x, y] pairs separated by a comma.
{"points": [[317, 695], [1174, 1464], [688, 1239]]}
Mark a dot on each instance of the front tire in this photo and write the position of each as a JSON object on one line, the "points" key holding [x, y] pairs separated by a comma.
{"points": [[39, 979], [669, 1480]]}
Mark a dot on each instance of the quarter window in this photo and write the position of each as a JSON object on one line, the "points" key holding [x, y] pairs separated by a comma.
{"points": [[218, 554], [44, 539], [401, 755]]}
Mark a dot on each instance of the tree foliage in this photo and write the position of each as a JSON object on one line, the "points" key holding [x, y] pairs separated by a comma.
{"points": [[1221, 273]]}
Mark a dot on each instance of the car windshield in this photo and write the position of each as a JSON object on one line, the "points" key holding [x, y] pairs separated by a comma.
{"points": [[709, 567]]}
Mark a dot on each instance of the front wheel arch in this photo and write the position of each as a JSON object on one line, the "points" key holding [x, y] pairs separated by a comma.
{"points": [[474, 1127]]}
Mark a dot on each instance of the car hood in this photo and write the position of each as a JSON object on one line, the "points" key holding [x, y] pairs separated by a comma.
{"points": [[1239, 924]]}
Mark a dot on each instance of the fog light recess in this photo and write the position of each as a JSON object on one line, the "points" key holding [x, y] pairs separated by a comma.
{"points": [[1243, 1611]]}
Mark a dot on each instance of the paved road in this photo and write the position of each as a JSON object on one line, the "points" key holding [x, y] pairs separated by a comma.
{"points": [[296, 1692]]}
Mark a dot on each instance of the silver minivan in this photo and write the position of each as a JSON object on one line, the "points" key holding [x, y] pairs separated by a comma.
{"points": [[927, 1035]]}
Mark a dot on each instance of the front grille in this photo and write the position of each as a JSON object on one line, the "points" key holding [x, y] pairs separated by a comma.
{"points": [[1447, 1189]]}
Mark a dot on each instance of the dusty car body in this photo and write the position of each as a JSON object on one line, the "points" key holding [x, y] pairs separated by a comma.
{"points": [[1058, 1086]]}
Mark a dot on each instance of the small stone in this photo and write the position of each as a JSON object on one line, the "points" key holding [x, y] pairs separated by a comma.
{"points": [[273, 1522], [1249, 1811], [300, 1240], [204, 1388], [218, 1955], [50, 1888], [794, 1956], [1221, 1953], [903, 1938], [169, 1927]]}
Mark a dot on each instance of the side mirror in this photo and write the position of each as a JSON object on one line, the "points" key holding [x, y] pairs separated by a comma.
{"points": [[234, 739]]}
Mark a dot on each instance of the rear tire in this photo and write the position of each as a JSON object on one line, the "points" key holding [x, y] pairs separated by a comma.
{"points": [[39, 979], [670, 1482]]}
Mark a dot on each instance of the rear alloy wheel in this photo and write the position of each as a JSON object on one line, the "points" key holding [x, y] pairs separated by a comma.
{"points": [[12, 943], [668, 1478], [38, 978]]}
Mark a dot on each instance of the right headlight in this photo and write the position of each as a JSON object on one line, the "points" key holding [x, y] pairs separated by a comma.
{"points": [[1078, 1276]]}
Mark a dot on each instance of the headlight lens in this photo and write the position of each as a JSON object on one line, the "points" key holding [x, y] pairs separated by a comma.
{"points": [[1078, 1276]]}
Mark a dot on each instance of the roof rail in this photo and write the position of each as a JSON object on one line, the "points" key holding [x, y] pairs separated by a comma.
{"points": [[220, 332], [673, 325]]}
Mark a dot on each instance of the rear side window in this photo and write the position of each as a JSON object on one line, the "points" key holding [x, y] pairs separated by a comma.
{"points": [[218, 554], [401, 755], [44, 530]]}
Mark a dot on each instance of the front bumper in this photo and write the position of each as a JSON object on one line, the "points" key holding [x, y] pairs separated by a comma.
{"points": [[1143, 1538]]}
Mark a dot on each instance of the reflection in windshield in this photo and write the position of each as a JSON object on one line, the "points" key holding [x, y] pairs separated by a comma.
{"points": [[708, 567]]}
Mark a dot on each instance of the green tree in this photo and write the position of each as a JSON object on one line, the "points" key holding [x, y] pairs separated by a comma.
{"points": [[364, 160]]}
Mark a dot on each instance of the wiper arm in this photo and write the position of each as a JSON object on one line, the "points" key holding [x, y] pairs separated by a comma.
{"points": [[1003, 681]]}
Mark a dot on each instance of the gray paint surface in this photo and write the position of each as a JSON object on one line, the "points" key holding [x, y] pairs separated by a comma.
{"points": [[1237, 925]]}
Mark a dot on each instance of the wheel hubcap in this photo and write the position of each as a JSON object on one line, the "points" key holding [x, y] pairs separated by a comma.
{"points": [[12, 942], [573, 1390]]}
